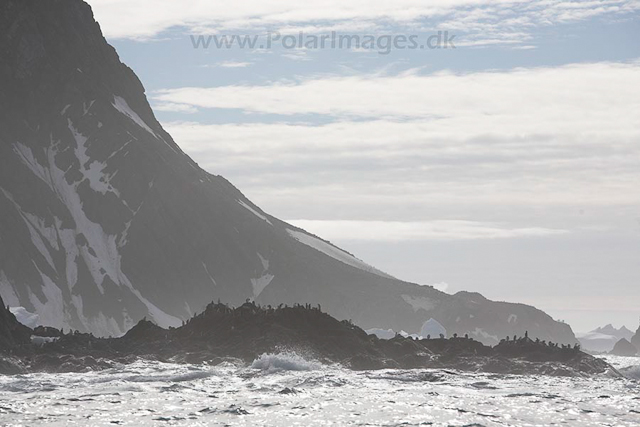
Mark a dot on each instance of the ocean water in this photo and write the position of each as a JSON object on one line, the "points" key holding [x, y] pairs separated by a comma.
{"points": [[287, 390]]}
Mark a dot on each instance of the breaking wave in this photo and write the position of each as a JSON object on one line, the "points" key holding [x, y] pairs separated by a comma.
{"points": [[275, 362]]}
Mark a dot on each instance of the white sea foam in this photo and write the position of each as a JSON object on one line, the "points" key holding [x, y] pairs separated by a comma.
{"points": [[274, 362], [305, 393]]}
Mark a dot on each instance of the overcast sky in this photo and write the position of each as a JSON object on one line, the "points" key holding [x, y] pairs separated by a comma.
{"points": [[508, 165]]}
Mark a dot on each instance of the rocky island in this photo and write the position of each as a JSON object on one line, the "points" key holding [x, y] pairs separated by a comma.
{"points": [[223, 333]]}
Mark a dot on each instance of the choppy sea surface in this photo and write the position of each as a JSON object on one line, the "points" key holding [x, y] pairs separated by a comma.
{"points": [[286, 390]]}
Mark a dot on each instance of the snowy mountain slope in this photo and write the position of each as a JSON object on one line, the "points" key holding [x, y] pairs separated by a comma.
{"points": [[104, 220]]}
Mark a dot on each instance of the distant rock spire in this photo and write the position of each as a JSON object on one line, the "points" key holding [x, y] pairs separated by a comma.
{"points": [[635, 340]]}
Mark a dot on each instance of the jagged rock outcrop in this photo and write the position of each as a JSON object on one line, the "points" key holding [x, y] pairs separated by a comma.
{"points": [[635, 340], [624, 348], [243, 334], [105, 221], [12, 333], [14, 338], [621, 332]]}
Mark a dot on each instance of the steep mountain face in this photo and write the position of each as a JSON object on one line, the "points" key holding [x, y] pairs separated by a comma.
{"points": [[104, 220]]}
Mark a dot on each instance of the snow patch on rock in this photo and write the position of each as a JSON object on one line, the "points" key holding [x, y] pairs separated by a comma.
{"points": [[26, 155], [264, 262], [484, 337], [51, 310], [99, 250], [255, 212], [93, 171], [120, 104], [334, 252], [260, 283], [418, 303], [208, 274], [7, 292]]}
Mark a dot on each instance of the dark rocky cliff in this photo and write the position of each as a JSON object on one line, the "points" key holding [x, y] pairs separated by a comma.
{"points": [[12, 333]]}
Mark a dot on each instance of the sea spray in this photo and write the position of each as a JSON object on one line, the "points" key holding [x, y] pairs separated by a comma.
{"points": [[286, 361]]}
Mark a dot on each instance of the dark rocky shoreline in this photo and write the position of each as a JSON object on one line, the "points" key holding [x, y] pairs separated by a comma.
{"points": [[242, 334]]}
